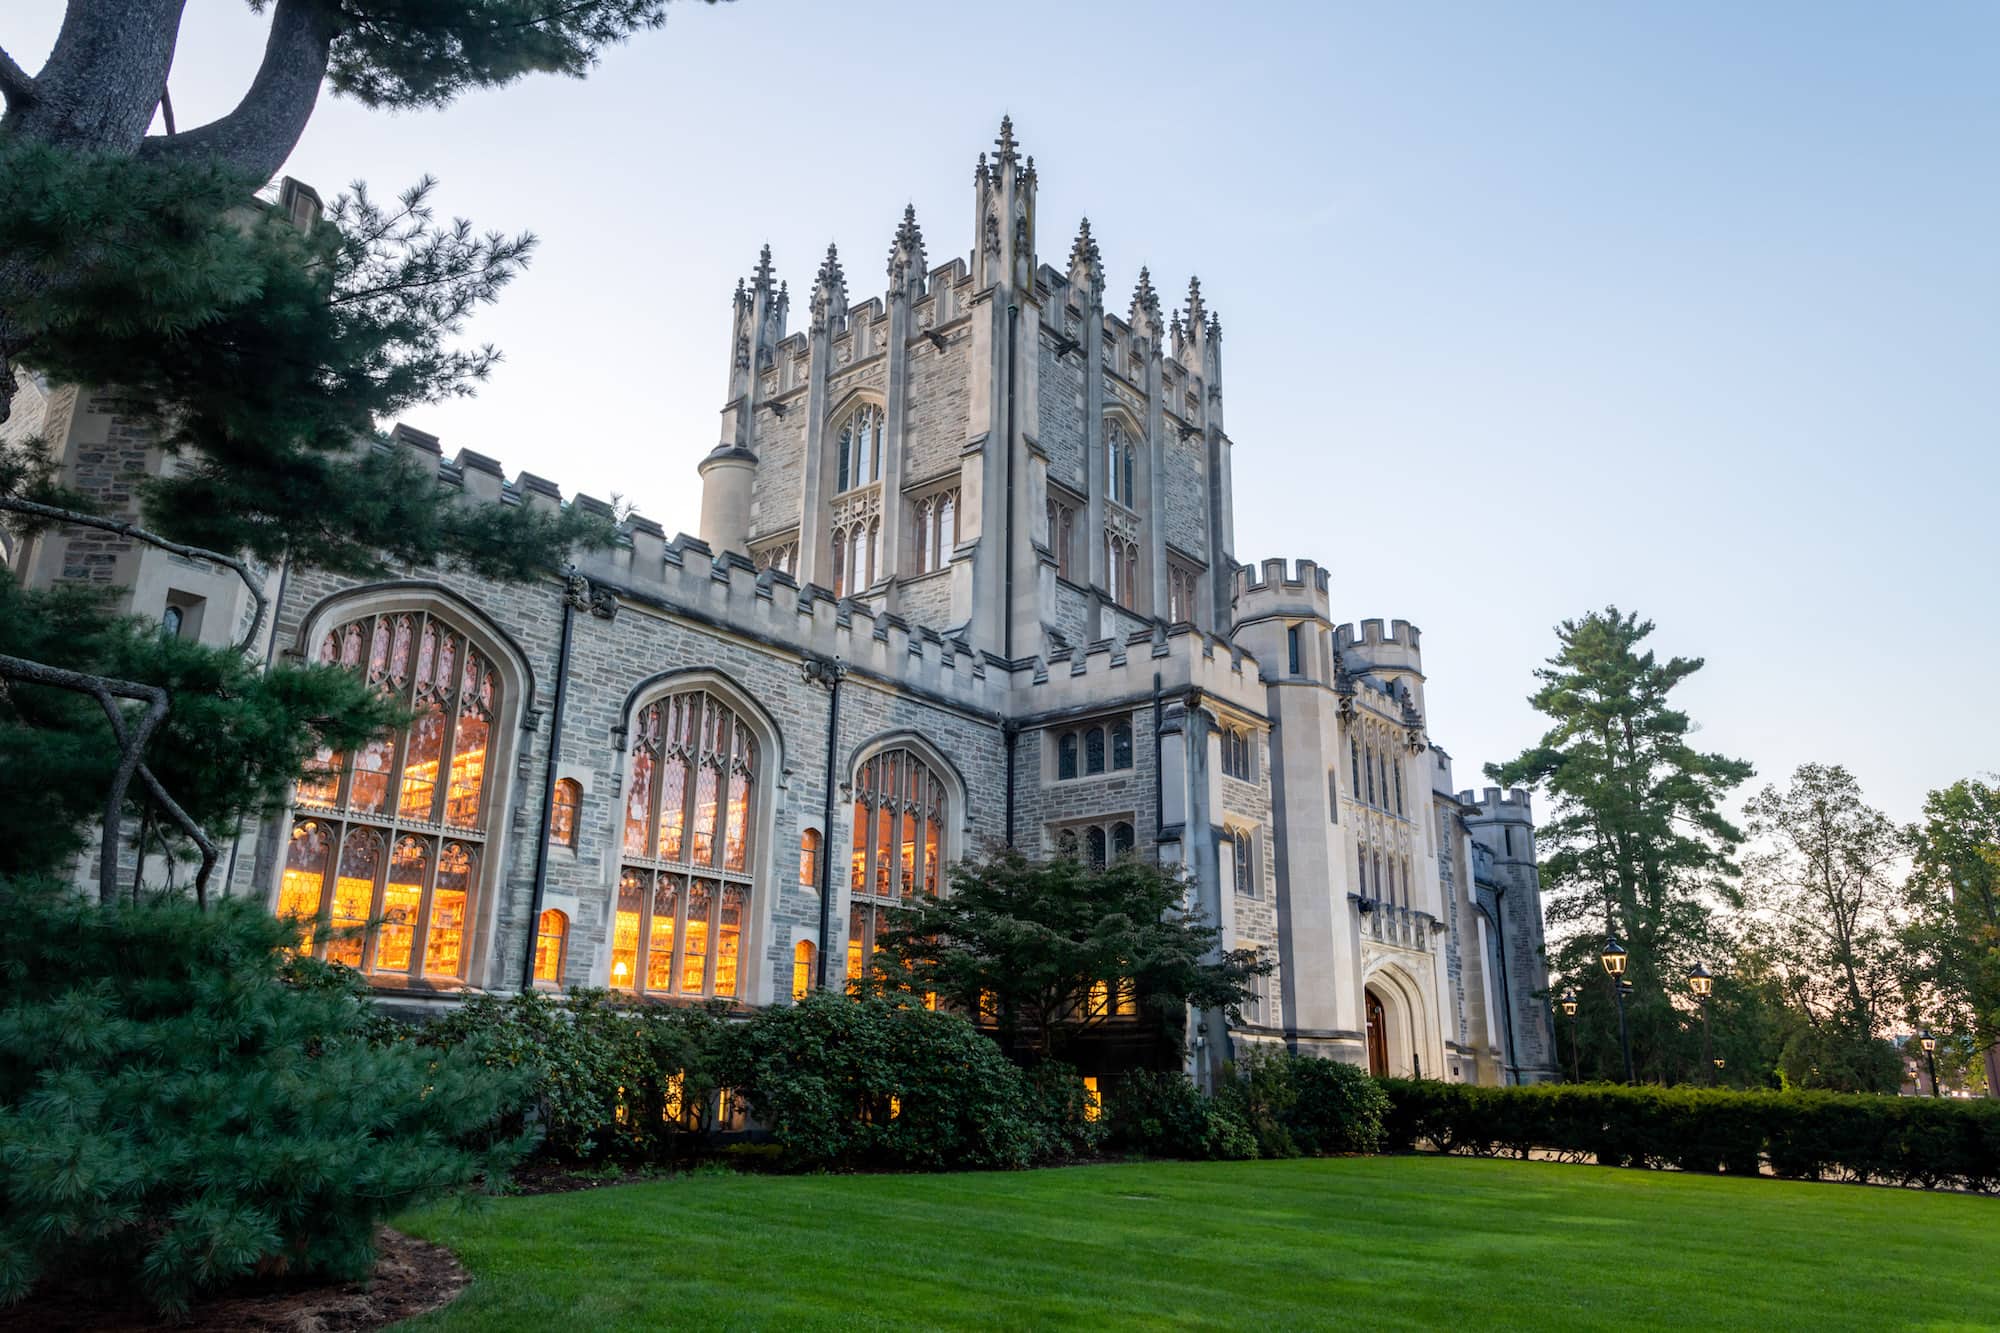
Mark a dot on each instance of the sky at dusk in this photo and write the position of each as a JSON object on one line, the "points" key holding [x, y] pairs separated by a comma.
{"points": [[1694, 308]]}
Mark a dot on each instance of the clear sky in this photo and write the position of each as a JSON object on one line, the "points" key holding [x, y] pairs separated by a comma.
{"points": [[1694, 307]]}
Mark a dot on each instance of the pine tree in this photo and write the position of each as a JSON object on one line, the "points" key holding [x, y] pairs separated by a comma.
{"points": [[1046, 948], [182, 1105], [1638, 846]]}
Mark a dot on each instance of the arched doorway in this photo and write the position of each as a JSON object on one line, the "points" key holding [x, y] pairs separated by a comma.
{"points": [[1378, 1035]]}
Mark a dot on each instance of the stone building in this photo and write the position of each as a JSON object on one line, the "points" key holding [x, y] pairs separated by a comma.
{"points": [[996, 517]]}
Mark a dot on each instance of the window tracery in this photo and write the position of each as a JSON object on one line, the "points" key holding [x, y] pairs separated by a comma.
{"points": [[395, 832], [935, 522], [858, 448], [1093, 749], [685, 886], [898, 846]]}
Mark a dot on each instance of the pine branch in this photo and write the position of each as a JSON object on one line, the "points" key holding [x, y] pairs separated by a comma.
{"points": [[16, 84], [123, 528]]}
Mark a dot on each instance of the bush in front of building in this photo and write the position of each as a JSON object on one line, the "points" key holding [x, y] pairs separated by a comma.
{"points": [[1302, 1105], [1929, 1142], [1163, 1114], [609, 1078], [882, 1082], [181, 1105]]}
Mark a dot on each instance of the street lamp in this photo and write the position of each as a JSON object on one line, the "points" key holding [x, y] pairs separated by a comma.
{"points": [[1701, 983], [1612, 955], [1929, 1044], [1575, 1055]]}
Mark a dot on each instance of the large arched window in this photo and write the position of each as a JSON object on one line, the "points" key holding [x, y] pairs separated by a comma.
{"points": [[899, 845], [395, 833], [684, 890], [858, 448]]}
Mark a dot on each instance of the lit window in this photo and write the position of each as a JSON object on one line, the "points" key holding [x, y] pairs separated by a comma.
{"points": [[802, 969], [899, 846], [858, 445], [401, 821], [809, 848], [551, 939], [563, 812], [1093, 1102], [686, 881]]}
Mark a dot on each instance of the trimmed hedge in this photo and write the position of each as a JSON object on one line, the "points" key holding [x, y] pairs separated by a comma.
{"points": [[1929, 1142]]}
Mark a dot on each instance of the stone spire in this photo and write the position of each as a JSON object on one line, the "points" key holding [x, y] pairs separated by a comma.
{"points": [[829, 295], [1086, 265], [1145, 316], [760, 280], [1197, 313], [1007, 153], [906, 258], [1003, 219]]}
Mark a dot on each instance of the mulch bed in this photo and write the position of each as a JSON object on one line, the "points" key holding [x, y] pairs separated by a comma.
{"points": [[411, 1277]]}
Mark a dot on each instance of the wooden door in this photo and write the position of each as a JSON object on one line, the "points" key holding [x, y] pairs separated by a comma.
{"points": [[1378, 1036]]}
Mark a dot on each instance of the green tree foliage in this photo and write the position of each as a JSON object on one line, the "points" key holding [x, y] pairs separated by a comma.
{"points": [[1638, 844], [1033, 938], [1954, 935], [234, 739], [1304, 1105], [175, 1113], [1823, 899]]}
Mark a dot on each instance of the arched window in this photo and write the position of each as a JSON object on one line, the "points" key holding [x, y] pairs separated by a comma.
{"points": [[809, 845], [803, 955], [1371, 775], [1246, 883], [685, 886], [1098, 846], [858, 446], [1399, 788], [1066, 755], [899, 845], [563, 812], [1121, 745], [1121, 838], [1062, 521], [1354, 760], [401, 823], [1121, 560], [936, 529], [1120, 465], [1391, 895], [1093, 750], [1066, 844], [551, 942]]}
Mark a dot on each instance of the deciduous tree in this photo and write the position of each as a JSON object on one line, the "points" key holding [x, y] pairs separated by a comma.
{"points": [[1954, 937]]}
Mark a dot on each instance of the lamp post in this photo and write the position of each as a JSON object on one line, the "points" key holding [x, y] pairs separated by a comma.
{"points": [[1701, 983], [1613, 958], [1575, 1056], [1929, 1044]]}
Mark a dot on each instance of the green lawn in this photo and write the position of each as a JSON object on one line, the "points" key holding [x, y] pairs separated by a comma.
{"points": [[1361, 1242]]}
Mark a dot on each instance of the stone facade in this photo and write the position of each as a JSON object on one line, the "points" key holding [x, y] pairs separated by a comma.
{"points": [[1238, 731]]}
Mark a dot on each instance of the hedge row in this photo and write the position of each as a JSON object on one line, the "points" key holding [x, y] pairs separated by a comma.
{"points": [[1930, 1142]]}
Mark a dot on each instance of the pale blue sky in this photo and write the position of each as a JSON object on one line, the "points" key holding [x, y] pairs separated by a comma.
{"points": [[1527, 308]]}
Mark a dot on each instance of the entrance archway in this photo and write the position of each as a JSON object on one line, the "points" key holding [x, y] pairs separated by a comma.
{"points": [[1378, 1035]]}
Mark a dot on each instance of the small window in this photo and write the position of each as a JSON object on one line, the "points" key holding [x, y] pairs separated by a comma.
{"points": [[1097, 842], [803, 957], [1371, 775], [1066, 755], [563, 813], [1121, 838], [1121, 745], [1093, 750], [1245, 882], [1236, 753], [1354, 760], [1510, 840], [1399, 789], [1062, 524], [1333, 794], [1292, 652], [1066, 844], [170, 622], [551, 942], [1093, 1101], [859, 447], [809, 844]]}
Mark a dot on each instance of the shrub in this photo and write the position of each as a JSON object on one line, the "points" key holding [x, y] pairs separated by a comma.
{"points": [[609, 1077], [1227, 1136], [842, 1082], [1259, 1092], [175, 1115], [1157, 1114], [1805, 1135], [1336, 1107], [1061, 1107]]}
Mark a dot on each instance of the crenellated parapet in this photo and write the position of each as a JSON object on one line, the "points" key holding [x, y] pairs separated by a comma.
{"points": [[1173, 660], [1276, 588], [1514, 806], [1371, 647]]}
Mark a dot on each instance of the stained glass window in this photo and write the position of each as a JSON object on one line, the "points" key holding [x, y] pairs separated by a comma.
{"points": [[406, 876], [690, 821]]}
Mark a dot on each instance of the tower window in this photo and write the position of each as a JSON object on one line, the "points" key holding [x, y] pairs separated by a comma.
{"points": [[1236, 753], [809, 845], [1092, 750], [936, 525], [858, 447], [551, 943], [1292, 653], [563, 812]]}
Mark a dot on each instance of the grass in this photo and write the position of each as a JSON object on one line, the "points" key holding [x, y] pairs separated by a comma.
{"points": [[1360, 1242]]}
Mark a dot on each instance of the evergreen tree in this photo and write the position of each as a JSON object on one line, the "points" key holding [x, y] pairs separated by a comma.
{"points": [[1638, 846], [1954, 936], [1046, 948], [181, 1105]]}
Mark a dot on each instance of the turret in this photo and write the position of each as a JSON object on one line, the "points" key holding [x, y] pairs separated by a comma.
{"points": [[1003, 242], [756, 327]]}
